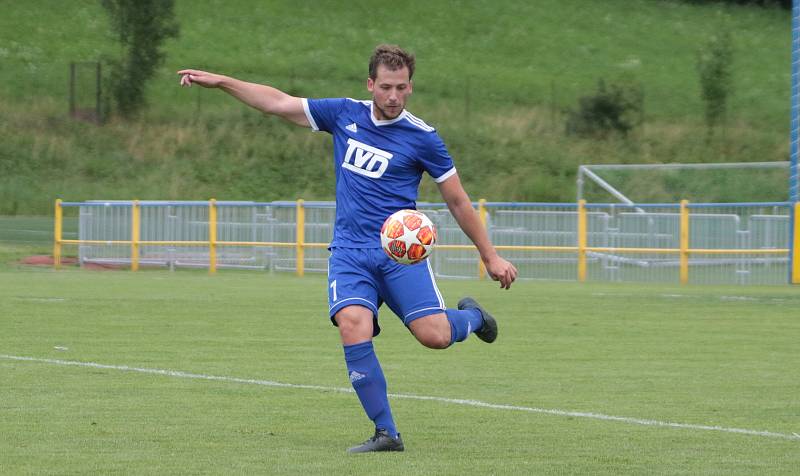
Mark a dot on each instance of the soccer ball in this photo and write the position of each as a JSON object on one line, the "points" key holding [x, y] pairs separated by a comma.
{"points": [[408, 236]]}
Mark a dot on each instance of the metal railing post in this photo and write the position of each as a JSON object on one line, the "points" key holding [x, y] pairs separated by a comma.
{"points": [[684, 242], [301, 238], [57, 234], [135, 234], [212, 236], [795, 246], [582, 240]]}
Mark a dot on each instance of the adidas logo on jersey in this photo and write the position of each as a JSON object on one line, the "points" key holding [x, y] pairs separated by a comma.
{"points": [[365, 160], [356, 376], [352, 128]]}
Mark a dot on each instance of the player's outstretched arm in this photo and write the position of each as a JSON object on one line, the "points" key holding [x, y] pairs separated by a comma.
{"points": [[264, 98], [461, 207]]}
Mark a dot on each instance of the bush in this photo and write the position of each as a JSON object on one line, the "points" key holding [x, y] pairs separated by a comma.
{"points": [[617, 109]]}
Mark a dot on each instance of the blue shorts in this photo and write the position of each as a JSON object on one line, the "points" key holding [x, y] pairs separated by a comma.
{"points": [[367, 277]]}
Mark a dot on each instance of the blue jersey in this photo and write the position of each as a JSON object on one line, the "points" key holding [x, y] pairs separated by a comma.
{"points": [[378, 165]]}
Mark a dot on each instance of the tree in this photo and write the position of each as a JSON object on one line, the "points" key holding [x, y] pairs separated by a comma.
{"points": [[141, 27], [715, 66]]}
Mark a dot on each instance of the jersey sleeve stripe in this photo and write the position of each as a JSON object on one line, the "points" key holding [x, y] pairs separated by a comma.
{"points": [[365, 103], [310, 118], [419, 122], [445, 175]]}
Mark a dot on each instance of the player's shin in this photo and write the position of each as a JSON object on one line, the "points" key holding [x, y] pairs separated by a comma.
{"points": [[368, 381], [462, 323]]}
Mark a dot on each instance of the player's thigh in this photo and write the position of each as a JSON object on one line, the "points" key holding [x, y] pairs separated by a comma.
{"points": [[350, 283], [411, 290]]}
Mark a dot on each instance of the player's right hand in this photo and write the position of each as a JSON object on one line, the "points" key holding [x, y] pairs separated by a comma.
{"points": [[501, 270], [202, 78]]}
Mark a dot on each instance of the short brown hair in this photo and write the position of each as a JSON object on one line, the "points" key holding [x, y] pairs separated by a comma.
{"points": [[391, 56]]}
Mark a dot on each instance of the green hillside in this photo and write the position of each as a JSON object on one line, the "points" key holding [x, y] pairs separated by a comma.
{"points": [[495, 78]]}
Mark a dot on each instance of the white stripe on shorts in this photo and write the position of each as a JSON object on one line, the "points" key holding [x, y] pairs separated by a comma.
{"points": [[421, 310], [371, 306], [433, 282]]}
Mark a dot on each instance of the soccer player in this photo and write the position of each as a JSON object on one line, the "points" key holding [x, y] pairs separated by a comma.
{"points": [[380, 153]]}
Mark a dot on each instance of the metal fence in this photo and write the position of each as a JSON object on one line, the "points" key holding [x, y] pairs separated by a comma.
{"points": [[736, 243]]}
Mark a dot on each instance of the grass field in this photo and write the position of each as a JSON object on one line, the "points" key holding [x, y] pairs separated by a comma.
{"points": [[583, 379], [513, 59]]}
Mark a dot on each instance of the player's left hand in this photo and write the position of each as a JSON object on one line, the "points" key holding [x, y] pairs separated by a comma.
{"points": [[202, 78], [501, 270]]}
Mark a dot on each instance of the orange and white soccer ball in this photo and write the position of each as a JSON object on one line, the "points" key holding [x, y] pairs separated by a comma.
{"points": [[408, 236]]}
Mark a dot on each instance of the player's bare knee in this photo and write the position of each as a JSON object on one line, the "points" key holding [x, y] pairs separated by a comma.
{"points": [[432, 331], [354, 325], [348, 327], [433, 339], [439, 342]]}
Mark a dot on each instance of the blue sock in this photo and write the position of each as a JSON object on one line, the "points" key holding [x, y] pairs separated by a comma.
{"points": [[369, 383], [463, 322]]}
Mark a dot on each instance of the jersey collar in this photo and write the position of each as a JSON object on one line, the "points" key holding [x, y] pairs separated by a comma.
{"points": [[378, 122]]}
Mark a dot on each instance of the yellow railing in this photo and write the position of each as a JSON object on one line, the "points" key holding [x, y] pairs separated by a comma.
{"points": [[300, 245], [795, 278], [684, 242], [57, 240], [136, 228], [212, 236], [582, 234], [300, 234]]}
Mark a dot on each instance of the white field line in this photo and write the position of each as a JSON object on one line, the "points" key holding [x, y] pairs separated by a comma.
{"points": [[41, 299], [688, 296], [454, 401]]}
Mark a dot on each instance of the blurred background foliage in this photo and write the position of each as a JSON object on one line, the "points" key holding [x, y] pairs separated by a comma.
{"points": [[522, 92]]}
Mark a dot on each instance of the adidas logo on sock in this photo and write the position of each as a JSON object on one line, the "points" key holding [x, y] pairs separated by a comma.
{"points": [[352, 128], [355, 376]]}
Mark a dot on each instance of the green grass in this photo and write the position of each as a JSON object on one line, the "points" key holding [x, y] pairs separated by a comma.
{"points": [[34, 230], [634, 351], [514, 57], [495, 78], [22, 236]]}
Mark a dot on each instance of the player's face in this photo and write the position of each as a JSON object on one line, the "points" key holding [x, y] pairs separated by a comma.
{"points": [[390, 90]]}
